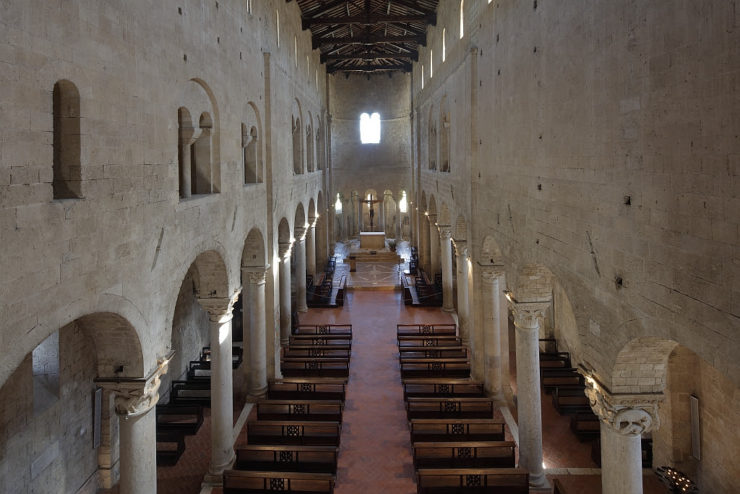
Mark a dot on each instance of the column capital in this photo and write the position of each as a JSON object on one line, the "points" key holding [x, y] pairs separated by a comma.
{"points": [[255, 275], [284, 249], [627, 414], [300, 233], [445, 231], [527, 314], [491, 272], [134, 397], [219, 308], [432, 217]]}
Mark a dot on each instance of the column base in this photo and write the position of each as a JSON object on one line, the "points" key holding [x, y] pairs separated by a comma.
{"points": [[539, 482], [255, 396], [448, 309], [216, 478], [303, 309]]}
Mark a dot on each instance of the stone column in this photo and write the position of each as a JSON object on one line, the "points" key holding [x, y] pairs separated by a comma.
{"points": [[134, 401], [433, 246], [424, 244], [527, 317], [492, 277], [187, 136], [463, 307], [257, 332], [445, 233], [285, 304], [300, 269], [222, 395], [311, 248], [624, 418]]}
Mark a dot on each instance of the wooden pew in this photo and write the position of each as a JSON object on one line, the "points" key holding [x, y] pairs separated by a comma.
{"points": [[184, 419], [470, 454], [421, 388], [564, 379], [428, 340], [434, 367], [426, 329], [342, 351], [323, 329], [456, 430], [321, 339], [170, 447], [199, 370], [458, 407], [246, 482], [308, 459], [191, 392], [320, 410], [314, 367], [469, 480], [307, 388], [294, 432], [237, 355], [409, 352], [586, 426], [570, 400]]}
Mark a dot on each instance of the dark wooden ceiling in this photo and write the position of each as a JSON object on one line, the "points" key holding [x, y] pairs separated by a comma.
{"points": [[368, 35]]}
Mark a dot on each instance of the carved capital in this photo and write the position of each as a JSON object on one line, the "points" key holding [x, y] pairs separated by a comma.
{"points": [[219, 308], [432, 217], [461, 248], [627, 414], [255, 276], [136, 397], [284, 249], [528, 314], [300, 233], [445, 231], [489, 273]]}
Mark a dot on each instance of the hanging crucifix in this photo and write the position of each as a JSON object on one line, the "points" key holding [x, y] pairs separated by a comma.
{"points": [[370, 201]]}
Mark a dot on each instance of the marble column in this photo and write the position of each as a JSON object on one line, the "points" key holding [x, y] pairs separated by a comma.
{"points": [[493, 281], [285, 303], [527, 317], [222, 394], [445, 234], [257, 332], [311, 248], [433, 246], [300, 269], [463, 304], [424, 245], [624, 418], [134, 404]]}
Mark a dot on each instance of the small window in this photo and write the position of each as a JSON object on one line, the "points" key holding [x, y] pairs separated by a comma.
{"points": [[370, 128], [403, 205], [444, 43], [295, 50], [422, 76], [462, 18], [338, 204], [67, 180], [431, 63], [277, 26], [249, 7]]}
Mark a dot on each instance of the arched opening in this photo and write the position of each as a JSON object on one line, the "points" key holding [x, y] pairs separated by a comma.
{"points": [[309, 145], [67, 165], [297, 159], [432, 140], [444, 141], [250, 156]]}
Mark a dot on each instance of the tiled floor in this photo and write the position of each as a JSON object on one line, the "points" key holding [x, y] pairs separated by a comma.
{"points": [[375, 450]]}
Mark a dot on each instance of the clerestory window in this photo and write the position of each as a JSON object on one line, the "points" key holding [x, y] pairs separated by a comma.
{"points": [[370, 128]]}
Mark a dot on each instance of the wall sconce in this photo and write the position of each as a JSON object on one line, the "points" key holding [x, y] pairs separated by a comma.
{"points": [[510, 296]]}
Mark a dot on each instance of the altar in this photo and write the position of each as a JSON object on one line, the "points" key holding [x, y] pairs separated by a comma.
{"points": [[372, 240]]}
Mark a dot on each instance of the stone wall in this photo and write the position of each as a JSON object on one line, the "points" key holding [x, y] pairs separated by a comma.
{"points": [[50, 451]]}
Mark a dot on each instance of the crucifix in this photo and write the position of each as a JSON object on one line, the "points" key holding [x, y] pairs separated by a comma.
{"points": [[370, 201]]}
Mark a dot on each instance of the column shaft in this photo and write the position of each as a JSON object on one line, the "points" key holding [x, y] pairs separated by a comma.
{"points": [[222, 397], [493, 327], [285, 303], [186, 178], [529, 408], [138, 452], [621, 462], [433, 249], [257, 335], [311, 252], [300, 274], [448, 304]]}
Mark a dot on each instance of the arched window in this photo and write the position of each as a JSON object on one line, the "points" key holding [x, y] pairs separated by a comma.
{"points": [[309, 148], [444, 43], [462, 18], [201, 158], [431, 63], [422, 76], [295, 50], [252, 165], [403, 205], [67, 167], [297, 159], [370, 128], [277, 26], [338, 204]]}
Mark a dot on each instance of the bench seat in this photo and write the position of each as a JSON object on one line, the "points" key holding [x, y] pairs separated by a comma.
{"points": [[308, 459], [456, 430], [170, 447], [434, 367], [323, 329], [295, 432], [314, 366], [307, 388], [185, 419], [472, 480], [570, 400], [246, 482], [317, 351], [321, 410], [410, 352], [586, 426], [426, 329], [420, 388], [428, 340], [458, 407], [191, 392], [469, 454]]}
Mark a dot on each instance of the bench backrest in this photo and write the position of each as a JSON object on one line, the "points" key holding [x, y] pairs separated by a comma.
{"points": [[237, 481], [479, 480]]}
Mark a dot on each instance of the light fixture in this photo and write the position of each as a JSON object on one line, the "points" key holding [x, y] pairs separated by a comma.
{"points": [[510, 296]]}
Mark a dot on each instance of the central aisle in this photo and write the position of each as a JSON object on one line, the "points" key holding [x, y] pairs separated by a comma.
{"points": [[375, 452]]}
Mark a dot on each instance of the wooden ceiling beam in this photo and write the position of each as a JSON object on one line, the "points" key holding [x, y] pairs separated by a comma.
{"points": [[371, 56], [406, 67], [369, 19], [318, 41]]}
